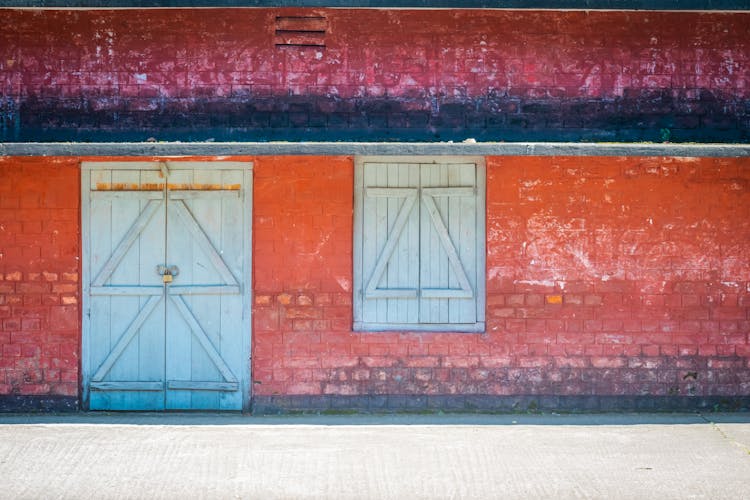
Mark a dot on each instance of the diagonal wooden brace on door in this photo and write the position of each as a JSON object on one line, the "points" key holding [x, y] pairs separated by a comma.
{"points": [[200, 237], [127, 241], [125, 338], [200, 335]]}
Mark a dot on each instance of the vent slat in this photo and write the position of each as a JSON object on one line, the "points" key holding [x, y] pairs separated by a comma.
{"points": [[302, 23]]}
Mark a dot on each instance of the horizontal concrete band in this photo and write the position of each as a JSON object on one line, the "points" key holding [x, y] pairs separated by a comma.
{"points": [[364, 148], [703, 5], [522, 403], [21, 403]]}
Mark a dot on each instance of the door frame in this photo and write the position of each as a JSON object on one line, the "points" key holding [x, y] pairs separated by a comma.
{"points": [[247, 203]]}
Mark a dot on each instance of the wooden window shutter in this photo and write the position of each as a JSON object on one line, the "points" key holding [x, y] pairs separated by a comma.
{"points": [[419, 246]]}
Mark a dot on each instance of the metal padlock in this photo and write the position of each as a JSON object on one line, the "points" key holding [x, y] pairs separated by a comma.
{"points": [[167, 272]]}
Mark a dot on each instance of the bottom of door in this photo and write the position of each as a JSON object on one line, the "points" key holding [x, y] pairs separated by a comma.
{"points": [[172, 395]]}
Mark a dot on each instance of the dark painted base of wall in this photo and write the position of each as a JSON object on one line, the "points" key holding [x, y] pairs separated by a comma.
{"points": [[655, 116], [14, 403], [491, 403], [264, 405]]}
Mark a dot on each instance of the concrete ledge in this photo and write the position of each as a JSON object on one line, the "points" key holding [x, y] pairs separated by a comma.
{"points": [[523, 403], [704, 5], [367, 148], [16, 403]]}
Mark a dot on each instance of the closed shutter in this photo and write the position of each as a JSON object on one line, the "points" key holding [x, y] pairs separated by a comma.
{"points": [[419, 246]]}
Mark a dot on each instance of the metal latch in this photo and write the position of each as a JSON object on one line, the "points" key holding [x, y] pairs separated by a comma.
{"points": [[167, 272]]}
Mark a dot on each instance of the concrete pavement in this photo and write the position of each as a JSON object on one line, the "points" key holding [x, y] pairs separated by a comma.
{"points": [[626, 456]]}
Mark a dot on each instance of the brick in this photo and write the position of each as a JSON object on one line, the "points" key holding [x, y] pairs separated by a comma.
{"points": [[592, 300], [303, 312], [63, 318], [70, 277], [304, 300], [534, 362], [554, 299], [262, 300], [607, 362], [13, 276], [284, 299], [48, 276]]}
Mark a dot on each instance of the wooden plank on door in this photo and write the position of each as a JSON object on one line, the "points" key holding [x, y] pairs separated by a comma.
{"points": [[125, 234], [232, 314], [205, 213], [180, 251]]}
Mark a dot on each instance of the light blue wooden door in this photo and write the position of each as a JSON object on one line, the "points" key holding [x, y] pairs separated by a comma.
{"points": [[177, 342]]}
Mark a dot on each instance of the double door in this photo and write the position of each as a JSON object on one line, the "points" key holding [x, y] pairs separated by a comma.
{"points": [[166, 285]]}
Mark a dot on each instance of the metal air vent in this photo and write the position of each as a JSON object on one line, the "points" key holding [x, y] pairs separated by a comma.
{"points": [[301, 31]]}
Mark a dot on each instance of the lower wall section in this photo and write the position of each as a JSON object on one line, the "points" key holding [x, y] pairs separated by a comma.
{"points": [[22, 403], [494, 403]]}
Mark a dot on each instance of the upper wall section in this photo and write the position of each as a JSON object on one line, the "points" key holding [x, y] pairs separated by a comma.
{"points": [[368, 74]]}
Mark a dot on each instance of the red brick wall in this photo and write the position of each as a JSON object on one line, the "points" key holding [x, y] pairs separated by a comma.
{"points": [[495, 74], [606, 276], [39, 276], [302, 267], [195, 53]]}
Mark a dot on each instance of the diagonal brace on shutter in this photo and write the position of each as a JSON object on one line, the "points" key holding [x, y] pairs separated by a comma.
{"points": [[410, 197], [428, 198]]}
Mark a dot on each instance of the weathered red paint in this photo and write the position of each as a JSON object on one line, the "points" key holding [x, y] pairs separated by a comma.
{"points": [[191, 73], [204, 52], [605, 276], [39, 276]]}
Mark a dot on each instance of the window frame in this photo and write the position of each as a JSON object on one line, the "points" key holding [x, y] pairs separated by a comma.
{"points": [[481, 236]]}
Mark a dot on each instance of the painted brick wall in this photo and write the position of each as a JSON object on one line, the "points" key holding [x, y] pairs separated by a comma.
{"points": [[383, 74], [605, 276], [39, 277]]}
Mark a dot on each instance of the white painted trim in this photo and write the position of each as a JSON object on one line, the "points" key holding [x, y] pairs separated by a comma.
{"points": [[376, 328], [86, 284], [481, 240], [246, 381], [357, 271]]}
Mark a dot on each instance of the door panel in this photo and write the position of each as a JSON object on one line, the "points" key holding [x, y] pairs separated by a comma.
{"points": [[180, 345], [128, 239], [205, 313]]}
